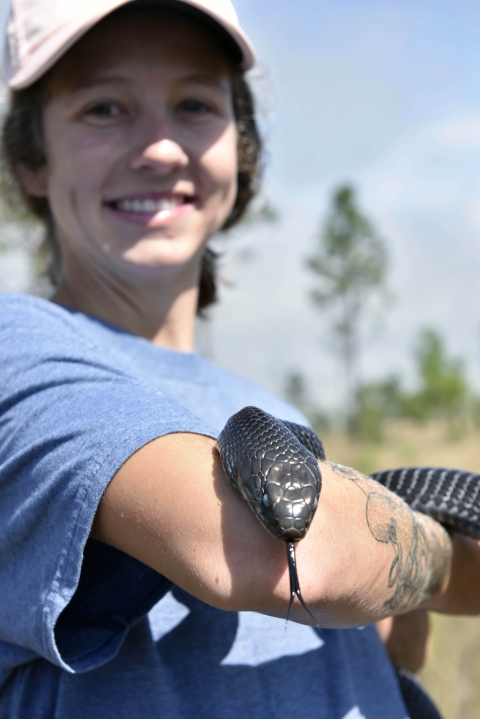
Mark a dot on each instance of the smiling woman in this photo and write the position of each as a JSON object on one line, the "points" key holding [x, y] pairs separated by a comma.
{"points": [[203, 99], [144, 123], [125, 556]]}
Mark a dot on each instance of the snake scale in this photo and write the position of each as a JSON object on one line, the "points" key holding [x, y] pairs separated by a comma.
{"points": [[273, 465]]}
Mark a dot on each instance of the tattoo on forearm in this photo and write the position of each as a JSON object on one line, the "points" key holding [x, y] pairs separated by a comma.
{"points": [[421, 549]]}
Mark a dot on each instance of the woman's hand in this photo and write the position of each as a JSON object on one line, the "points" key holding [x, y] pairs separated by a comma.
{"points": [[407, 639], [365, 557]]}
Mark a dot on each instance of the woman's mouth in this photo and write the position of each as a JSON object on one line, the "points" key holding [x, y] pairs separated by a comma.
{"points": [[151, 211]]}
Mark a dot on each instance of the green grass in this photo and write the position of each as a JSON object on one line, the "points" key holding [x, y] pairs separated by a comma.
{"points": [[452, 674]]}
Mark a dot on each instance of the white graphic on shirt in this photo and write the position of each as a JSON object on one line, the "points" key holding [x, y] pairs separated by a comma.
{"points": [[263, 639], [354, 713], [166, 615], [259, 639]]}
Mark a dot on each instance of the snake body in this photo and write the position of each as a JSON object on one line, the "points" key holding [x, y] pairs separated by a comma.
{"points": [[451, 496], [273, 465]]}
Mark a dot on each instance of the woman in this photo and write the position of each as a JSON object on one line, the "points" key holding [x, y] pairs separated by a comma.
{"points": [[125, 556]]}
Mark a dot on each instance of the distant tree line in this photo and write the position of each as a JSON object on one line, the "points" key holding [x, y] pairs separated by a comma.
{"points": [[443, 394], [350, 267]]}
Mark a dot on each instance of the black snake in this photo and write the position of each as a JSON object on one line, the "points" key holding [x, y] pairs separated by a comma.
{"points": [[273, 465]]}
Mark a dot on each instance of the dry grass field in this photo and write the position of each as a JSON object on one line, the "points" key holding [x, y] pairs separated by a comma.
{"points": [[452, 675]]}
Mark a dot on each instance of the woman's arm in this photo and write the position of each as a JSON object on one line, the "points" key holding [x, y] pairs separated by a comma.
{"points": [[366, 556]]}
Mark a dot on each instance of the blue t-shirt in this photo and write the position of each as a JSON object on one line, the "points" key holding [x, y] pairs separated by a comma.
{"points": [[86, 630]]}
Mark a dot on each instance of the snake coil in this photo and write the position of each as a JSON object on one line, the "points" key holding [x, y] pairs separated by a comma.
{"points": [[273, 465]]}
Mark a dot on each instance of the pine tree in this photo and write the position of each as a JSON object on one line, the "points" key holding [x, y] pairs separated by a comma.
{"points": [[350, 266]]}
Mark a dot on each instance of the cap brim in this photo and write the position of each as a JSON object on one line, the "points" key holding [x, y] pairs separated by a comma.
{"points": [[52, 49]]}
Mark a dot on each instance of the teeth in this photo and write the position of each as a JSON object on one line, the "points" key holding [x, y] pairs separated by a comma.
{"points": [[149, 206]]}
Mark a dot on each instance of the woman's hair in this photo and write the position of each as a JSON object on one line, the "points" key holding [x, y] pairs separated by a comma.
{"points": [[22, 144]]}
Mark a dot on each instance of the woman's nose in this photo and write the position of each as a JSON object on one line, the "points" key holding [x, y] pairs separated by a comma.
{"points": [[160, 157]]}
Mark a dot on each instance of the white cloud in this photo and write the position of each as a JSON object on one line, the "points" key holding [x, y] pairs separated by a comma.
{"points": [[460, 133], [424, 196]]}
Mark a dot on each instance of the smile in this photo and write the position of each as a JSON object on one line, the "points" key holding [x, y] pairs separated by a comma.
{"points": [[149, 206], [152, 211]]}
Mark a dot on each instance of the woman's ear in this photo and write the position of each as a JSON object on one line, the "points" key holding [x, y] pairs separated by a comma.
{"points": [[34, 182]]}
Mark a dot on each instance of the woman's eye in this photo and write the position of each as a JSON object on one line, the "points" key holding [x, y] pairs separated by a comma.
{"points": [[104, 110], [196, 107]]}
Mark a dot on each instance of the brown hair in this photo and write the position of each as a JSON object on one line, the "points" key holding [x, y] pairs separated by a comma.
{"points": [[22, 143]]}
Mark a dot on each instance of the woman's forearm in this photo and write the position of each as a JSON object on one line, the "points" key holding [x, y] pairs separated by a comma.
{"points": [[395, 559], [461, 593], [366, 555]]}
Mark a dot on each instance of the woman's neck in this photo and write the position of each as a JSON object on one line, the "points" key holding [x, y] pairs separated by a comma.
{"points": [[162, 311]]}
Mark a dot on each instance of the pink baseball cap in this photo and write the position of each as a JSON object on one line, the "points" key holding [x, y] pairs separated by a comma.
{"points": [[39, 32]]}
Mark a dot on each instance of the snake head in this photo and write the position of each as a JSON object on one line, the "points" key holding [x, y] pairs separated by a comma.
{"points": [[283, 493], [266, 462]]}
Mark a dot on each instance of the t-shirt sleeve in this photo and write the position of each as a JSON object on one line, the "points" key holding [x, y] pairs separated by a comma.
{"points": [[68, 421]]}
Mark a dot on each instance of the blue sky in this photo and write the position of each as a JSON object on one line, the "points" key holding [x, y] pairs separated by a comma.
{"points": [[352, 77], [385, 95]]}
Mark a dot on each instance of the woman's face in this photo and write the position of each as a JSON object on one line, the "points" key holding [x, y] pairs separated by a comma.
{"points": [[142, 147]]}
